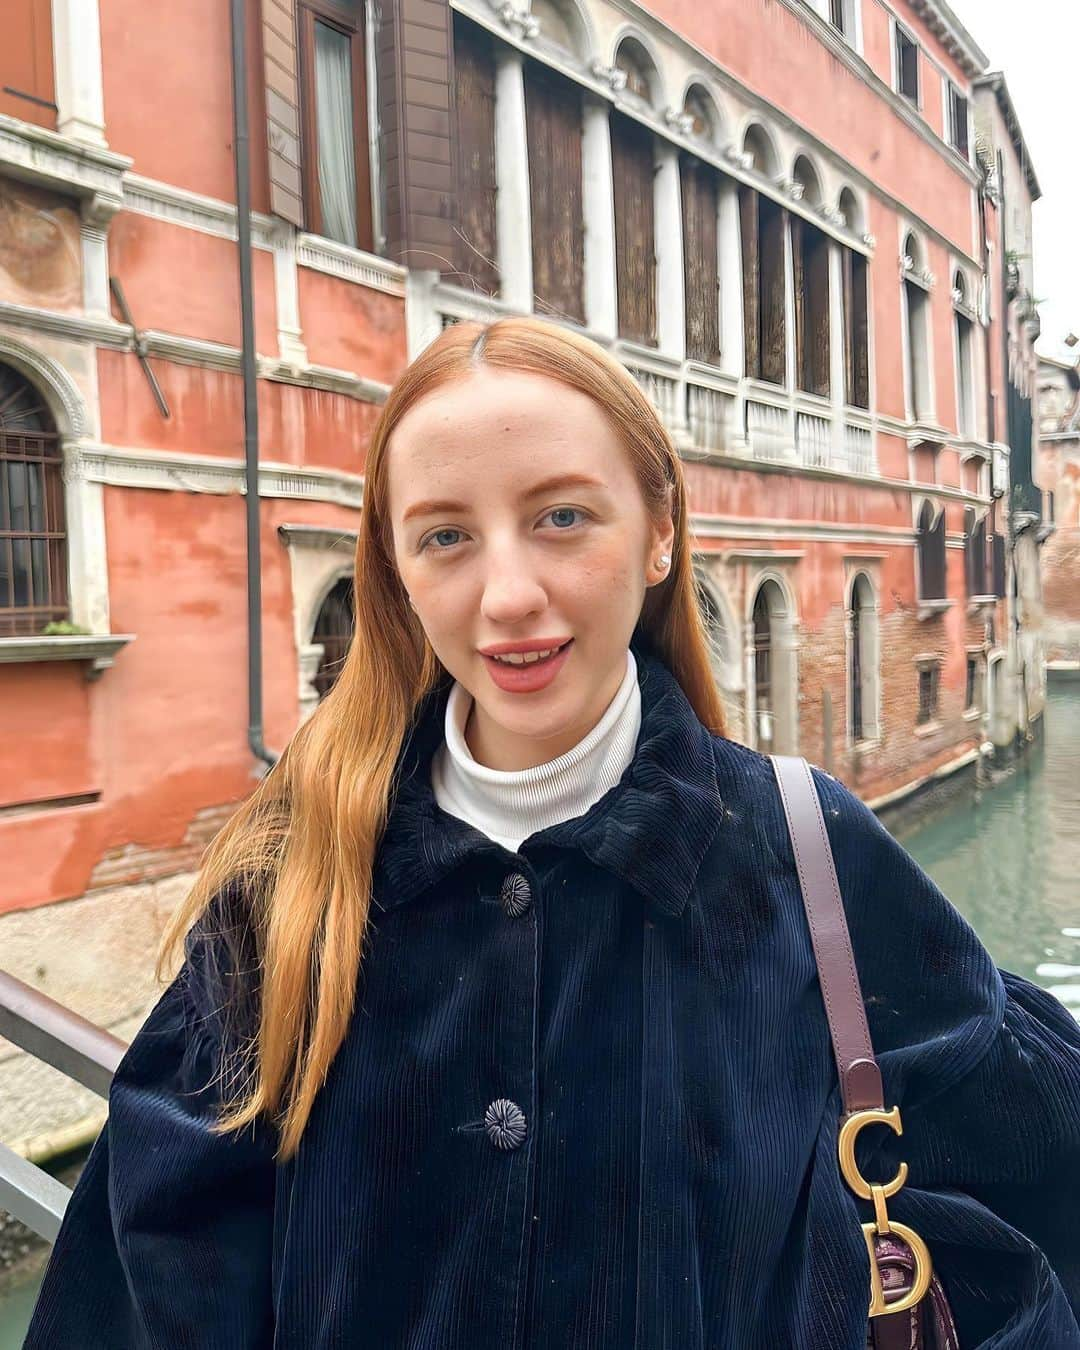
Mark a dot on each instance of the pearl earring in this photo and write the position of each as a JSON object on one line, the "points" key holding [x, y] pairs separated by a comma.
{"points": [[664, 559]]}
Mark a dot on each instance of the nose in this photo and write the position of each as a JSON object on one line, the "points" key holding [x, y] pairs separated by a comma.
{"points": [[512, 589]]}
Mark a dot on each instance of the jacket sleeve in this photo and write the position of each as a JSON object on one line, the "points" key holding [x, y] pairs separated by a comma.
{"points": [[985, 1067], [166, 1242]]}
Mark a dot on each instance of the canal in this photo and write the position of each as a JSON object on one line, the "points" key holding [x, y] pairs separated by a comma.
{"points": [[1008, 858]]}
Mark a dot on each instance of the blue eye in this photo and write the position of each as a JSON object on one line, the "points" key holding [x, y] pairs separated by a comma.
{"points": [[426, 543]]}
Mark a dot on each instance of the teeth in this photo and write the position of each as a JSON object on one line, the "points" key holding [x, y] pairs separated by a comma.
{"points": [[524, 658]]}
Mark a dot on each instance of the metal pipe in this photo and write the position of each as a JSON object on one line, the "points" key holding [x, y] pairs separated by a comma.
{"points": [[241, 152]]}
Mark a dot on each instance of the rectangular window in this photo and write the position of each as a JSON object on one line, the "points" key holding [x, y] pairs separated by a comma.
{"points": [[474, 112], [700, 208], [928, 694], [837, 16], [997, 564], [971, 685], [810, 277], [635, 239], [336, 171], [553, 130], [26, 62], [965, 377], [958, 120], [907, 66], [856, 335]]}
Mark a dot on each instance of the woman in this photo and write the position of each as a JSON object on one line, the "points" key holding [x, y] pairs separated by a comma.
{"points": [[502, 982]]}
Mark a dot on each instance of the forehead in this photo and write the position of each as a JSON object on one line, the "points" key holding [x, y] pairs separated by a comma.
{"points": [[501, 423]]}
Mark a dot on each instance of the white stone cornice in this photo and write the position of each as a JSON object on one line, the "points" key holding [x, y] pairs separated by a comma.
{"points": [[323, 537], [179, 206], [326, 378], [102, 332], [61, 164], [123, 467], [350, 264]]}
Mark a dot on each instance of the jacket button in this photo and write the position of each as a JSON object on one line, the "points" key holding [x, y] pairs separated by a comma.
{"points": [[504, 1123], [515, 895]]}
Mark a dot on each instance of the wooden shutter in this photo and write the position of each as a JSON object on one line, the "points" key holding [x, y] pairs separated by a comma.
{"points": [[798, 282], [816, 317], [856, 341], [635, 249], [417, 135], [281, 78], [771, 249], [553, 129], [700, 205], [26, 62], [751, 266], [474, 111]]}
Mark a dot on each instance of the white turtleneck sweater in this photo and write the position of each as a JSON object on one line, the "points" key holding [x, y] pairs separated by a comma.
{"points": [[509, 805]]}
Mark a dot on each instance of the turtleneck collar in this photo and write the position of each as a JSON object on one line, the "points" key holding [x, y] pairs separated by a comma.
{"points": [[509, 805], [653, 828]]}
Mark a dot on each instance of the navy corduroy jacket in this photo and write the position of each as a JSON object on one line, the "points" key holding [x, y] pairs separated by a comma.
{"points": [[588, 1100]]}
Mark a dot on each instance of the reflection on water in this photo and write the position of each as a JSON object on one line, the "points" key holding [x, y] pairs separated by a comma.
{"points": [[1011, 861]]}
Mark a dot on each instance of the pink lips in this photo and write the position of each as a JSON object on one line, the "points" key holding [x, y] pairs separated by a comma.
{"points": [[529, 678]]}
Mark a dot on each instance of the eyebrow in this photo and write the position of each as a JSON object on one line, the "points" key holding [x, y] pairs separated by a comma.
{"points": [[552, 484]]}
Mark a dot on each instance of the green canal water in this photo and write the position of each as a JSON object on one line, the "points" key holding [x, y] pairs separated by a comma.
{"points": [[1008, 858]]}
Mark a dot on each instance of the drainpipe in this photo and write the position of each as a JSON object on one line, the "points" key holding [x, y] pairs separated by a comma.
{"points": [[251, 404]]}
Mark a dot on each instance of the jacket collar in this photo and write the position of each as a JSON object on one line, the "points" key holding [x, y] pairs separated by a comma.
{"points": [[652, 828]]}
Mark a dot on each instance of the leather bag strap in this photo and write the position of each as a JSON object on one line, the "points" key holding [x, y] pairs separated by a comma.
{"points": [[860, 1077]]}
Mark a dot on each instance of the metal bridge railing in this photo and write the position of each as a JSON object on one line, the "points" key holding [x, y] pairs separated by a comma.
{"points": [[84, 1052]]}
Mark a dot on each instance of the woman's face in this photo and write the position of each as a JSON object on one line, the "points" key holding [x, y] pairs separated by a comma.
{"points": [[503, 559]]}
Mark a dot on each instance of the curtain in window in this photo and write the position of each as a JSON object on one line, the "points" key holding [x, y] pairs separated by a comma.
{"points": [[334, 120]]}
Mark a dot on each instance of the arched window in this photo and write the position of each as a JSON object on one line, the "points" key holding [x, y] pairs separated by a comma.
{"points": [[848, 206], [863, 661], [557, 25], [33, 552], [699, 107], [975, 553], [965, 363], [916, 332], [635, 61], [334, 630], [757, 145], [930, 551], [807, 178], [773, 722]]}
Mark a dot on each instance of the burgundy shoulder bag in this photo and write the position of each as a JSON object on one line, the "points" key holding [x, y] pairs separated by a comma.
{"points": [[908, 1308]]}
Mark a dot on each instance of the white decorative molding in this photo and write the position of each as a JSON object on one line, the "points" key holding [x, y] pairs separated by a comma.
{"points": [[319, 537], [612, 76], [120, 467], [179, 206], [350, 264], [74, 327], [870, 240], [98, 650], [52, 161], [678, 121], [325, 378], [52, 381]]}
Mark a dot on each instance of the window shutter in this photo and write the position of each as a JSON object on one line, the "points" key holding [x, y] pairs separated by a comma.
{"points": [[414, 64], [773, 270], [474, 108], [26, 62], [281, 77], [700, 206], [860, 395], [816, 322], [635, 248], [751, 263], [553, 128], [798, 278]]}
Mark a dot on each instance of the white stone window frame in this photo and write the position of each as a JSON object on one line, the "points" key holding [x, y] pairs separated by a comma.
{"points": [[784, 652], [895, 29], [873, 704], [319, 557]]}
